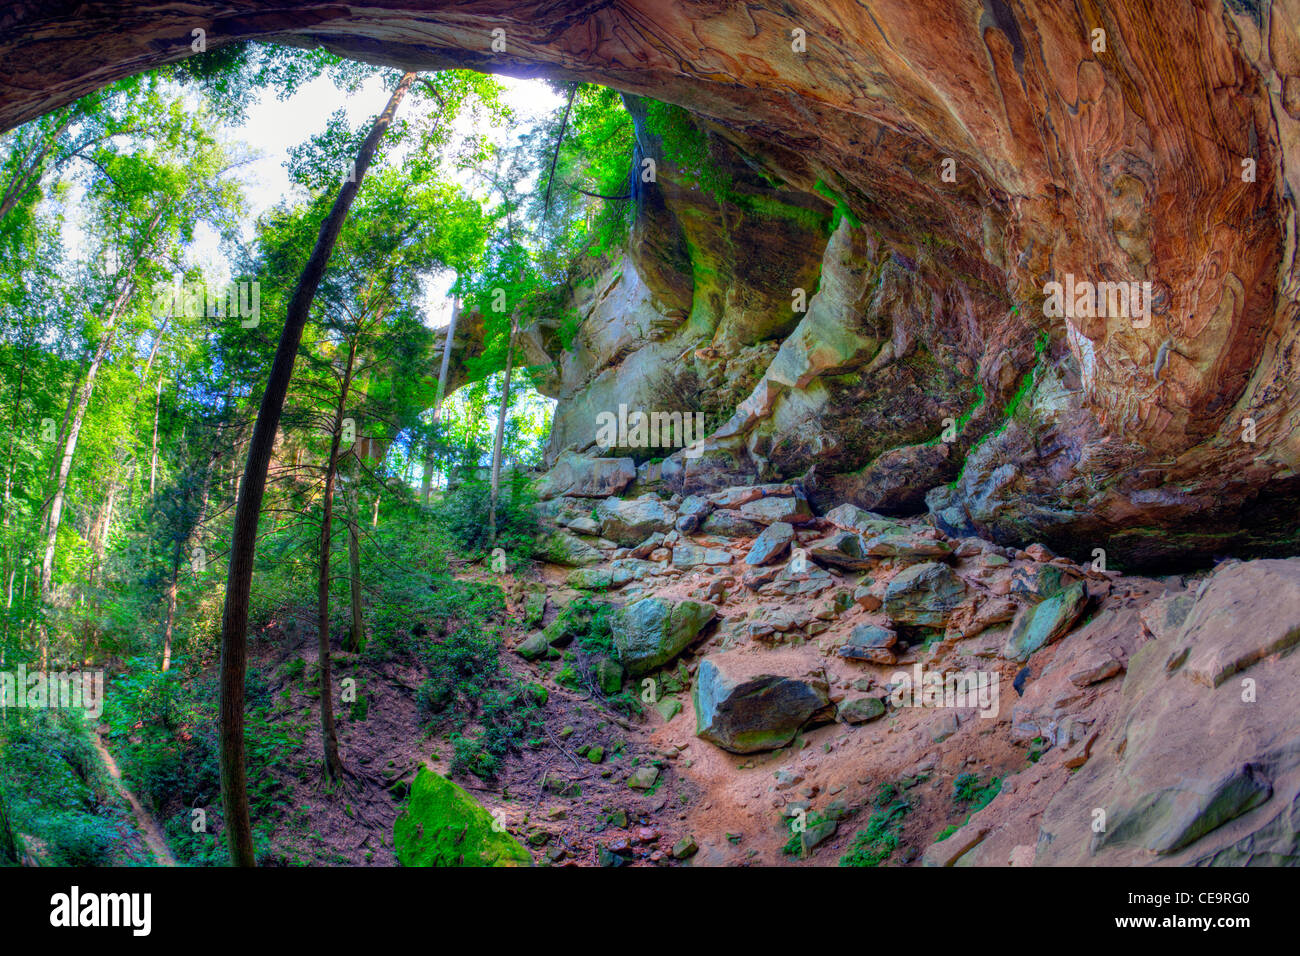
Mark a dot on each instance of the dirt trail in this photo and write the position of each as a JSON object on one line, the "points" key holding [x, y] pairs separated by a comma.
{"points": [[148, 827]]}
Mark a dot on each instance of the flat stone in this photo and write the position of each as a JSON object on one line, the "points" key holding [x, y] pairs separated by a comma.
{"points": [[771, 545], [860, 710], [686, 556], [1040, 625]]}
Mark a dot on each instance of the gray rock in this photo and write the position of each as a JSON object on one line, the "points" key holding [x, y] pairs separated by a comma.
{"points": [[627, 570], [590, 579], [924, 595], [687, 556], [652, 631], [561, 547], [643, 778], [867, 523], [772, 509], [843, 549], [748, 714], [859, 710], [692, 512], [771, 545], [907, 547], [1039, 625], [584, 477], [628, 523], [870, 642], [584, 524], [743, 494], [648, 546], [726, 523]]}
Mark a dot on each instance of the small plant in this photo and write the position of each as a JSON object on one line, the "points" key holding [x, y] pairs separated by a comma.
{"points": [[876, 842], [967, 789]]}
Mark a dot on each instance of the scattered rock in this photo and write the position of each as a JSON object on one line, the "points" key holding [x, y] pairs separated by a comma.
{"points": [[924, 595], [643, 778], [747, 712], [860, 710], [771, 545]]}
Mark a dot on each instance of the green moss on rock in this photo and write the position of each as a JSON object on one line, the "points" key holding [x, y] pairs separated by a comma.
{"points": [[442, 825]]}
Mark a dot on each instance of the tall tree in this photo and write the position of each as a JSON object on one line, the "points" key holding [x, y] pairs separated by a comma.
{"points": [[234, 651]]}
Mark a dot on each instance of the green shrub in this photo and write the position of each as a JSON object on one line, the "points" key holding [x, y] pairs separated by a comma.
{"points": [[967, 789], [463, 512], [874, 844]]}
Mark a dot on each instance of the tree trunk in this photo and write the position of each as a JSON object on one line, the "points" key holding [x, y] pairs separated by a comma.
{"points": [[243, 545], [65, 462], [501, 432], [171, 605], [153, 453], [177, 558], [329, 738], [26, 177], [442, 391], [357, 636]]}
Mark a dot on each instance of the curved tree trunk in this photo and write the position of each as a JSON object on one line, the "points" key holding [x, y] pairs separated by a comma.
{"points": [[243, 545]]}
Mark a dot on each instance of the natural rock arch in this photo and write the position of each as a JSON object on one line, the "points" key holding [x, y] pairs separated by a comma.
{"points": [[1104, 142]]}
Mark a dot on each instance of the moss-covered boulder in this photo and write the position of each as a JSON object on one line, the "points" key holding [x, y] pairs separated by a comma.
{"points": [[651, 632], [442, 825]]}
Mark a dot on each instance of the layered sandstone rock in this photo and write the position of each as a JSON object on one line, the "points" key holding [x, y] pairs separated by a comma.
{"points": [[962, 155]]}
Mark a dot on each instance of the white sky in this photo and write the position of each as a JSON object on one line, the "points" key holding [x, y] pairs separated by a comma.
{"points": [[273, 126]]}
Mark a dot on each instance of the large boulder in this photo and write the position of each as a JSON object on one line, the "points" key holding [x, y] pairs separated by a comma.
{"points": [[442, 825], [776, 508], [853, 518], [628, 523], [652, 631], [907, 547], [686, 556], [871, 643], [584, 477], [1200, 764], [563, 547], [743, 707], [1037, 626], [726, 523], [924, 595]]}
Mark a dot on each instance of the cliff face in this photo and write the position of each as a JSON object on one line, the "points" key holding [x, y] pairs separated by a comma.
{"points": [[1122, 142]]}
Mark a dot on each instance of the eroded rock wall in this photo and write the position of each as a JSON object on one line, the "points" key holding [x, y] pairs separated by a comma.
{"points": [[1122, 142]]}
